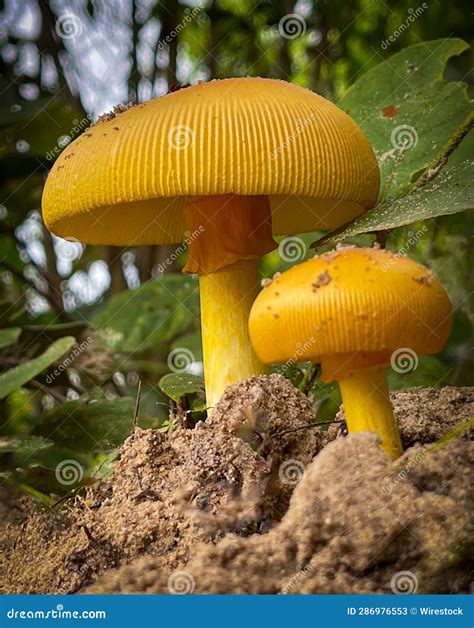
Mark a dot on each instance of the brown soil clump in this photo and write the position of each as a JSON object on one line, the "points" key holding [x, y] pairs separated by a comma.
{"points": [[219, 509], [170, 492], [425, 415], [351, 527]]}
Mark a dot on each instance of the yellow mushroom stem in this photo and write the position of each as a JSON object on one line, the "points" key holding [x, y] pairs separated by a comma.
{"points": [[366, 401], [234, 232]]}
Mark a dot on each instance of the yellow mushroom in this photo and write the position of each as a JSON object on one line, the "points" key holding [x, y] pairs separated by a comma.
{"points": [[356, 312], [224, 166]]}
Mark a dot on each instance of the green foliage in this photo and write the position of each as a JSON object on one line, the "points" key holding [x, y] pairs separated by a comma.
{"points": [[86, 425], [408, 90], [20, 375], [151, 316], [84, 413], [413, 119], [9, 336], [179, 385], [23, 445], [452, 191]]}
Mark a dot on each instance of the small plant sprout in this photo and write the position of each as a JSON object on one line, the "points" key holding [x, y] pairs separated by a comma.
{"points": [[223, 166], [361, 306]]}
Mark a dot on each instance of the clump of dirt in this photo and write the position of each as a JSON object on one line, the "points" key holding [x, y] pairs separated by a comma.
{"points": [[170, 492], [350, 528], [214, 509], [425, 415]]}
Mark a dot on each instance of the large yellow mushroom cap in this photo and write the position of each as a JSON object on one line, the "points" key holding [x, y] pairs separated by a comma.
{"points": [[127, 179], [348, 309]]}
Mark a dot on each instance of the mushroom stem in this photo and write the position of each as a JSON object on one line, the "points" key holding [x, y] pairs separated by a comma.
{"points": [[234, 231], [366, 401], [226, 298]]}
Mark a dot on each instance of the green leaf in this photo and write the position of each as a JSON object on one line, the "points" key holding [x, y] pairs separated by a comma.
{"points": [[450, 192], [23, 445], [9, 336], [151, 316], [20, 375], [409, 114], [8, 312], [429, 372], [92, 425], [179, 385], [44, 334]]}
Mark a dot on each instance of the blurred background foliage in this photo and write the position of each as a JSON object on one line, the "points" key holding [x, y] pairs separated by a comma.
{"points": [[80, 326]]}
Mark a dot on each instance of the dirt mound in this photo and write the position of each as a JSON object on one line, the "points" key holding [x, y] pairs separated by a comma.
{"points": [[352, 527], [170, 492], [425, 415], [209, 509]]}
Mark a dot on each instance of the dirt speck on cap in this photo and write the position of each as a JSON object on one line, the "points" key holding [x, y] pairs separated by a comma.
{"points": [[323, 280], [116, 111], [423, 279]]}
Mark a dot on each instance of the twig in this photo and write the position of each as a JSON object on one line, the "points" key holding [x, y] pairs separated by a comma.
{"points": [[137, 405], [49, 391], [307, 427], [432, 172]]}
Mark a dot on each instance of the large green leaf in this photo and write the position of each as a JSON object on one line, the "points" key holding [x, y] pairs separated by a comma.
{"points": [[409, 114], [406, 99], [150, 316], [20, 375], [92, 425], [450, 192]]}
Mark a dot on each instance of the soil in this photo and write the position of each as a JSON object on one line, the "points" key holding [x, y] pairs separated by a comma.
{"points": [[258, 500]]}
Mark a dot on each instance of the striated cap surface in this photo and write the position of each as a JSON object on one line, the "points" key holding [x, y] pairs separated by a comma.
{"points": [[127, 179], [351, 307]]}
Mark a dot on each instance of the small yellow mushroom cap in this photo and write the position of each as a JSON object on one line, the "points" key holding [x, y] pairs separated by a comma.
{"points": [[348, 309], [128, 178]]}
